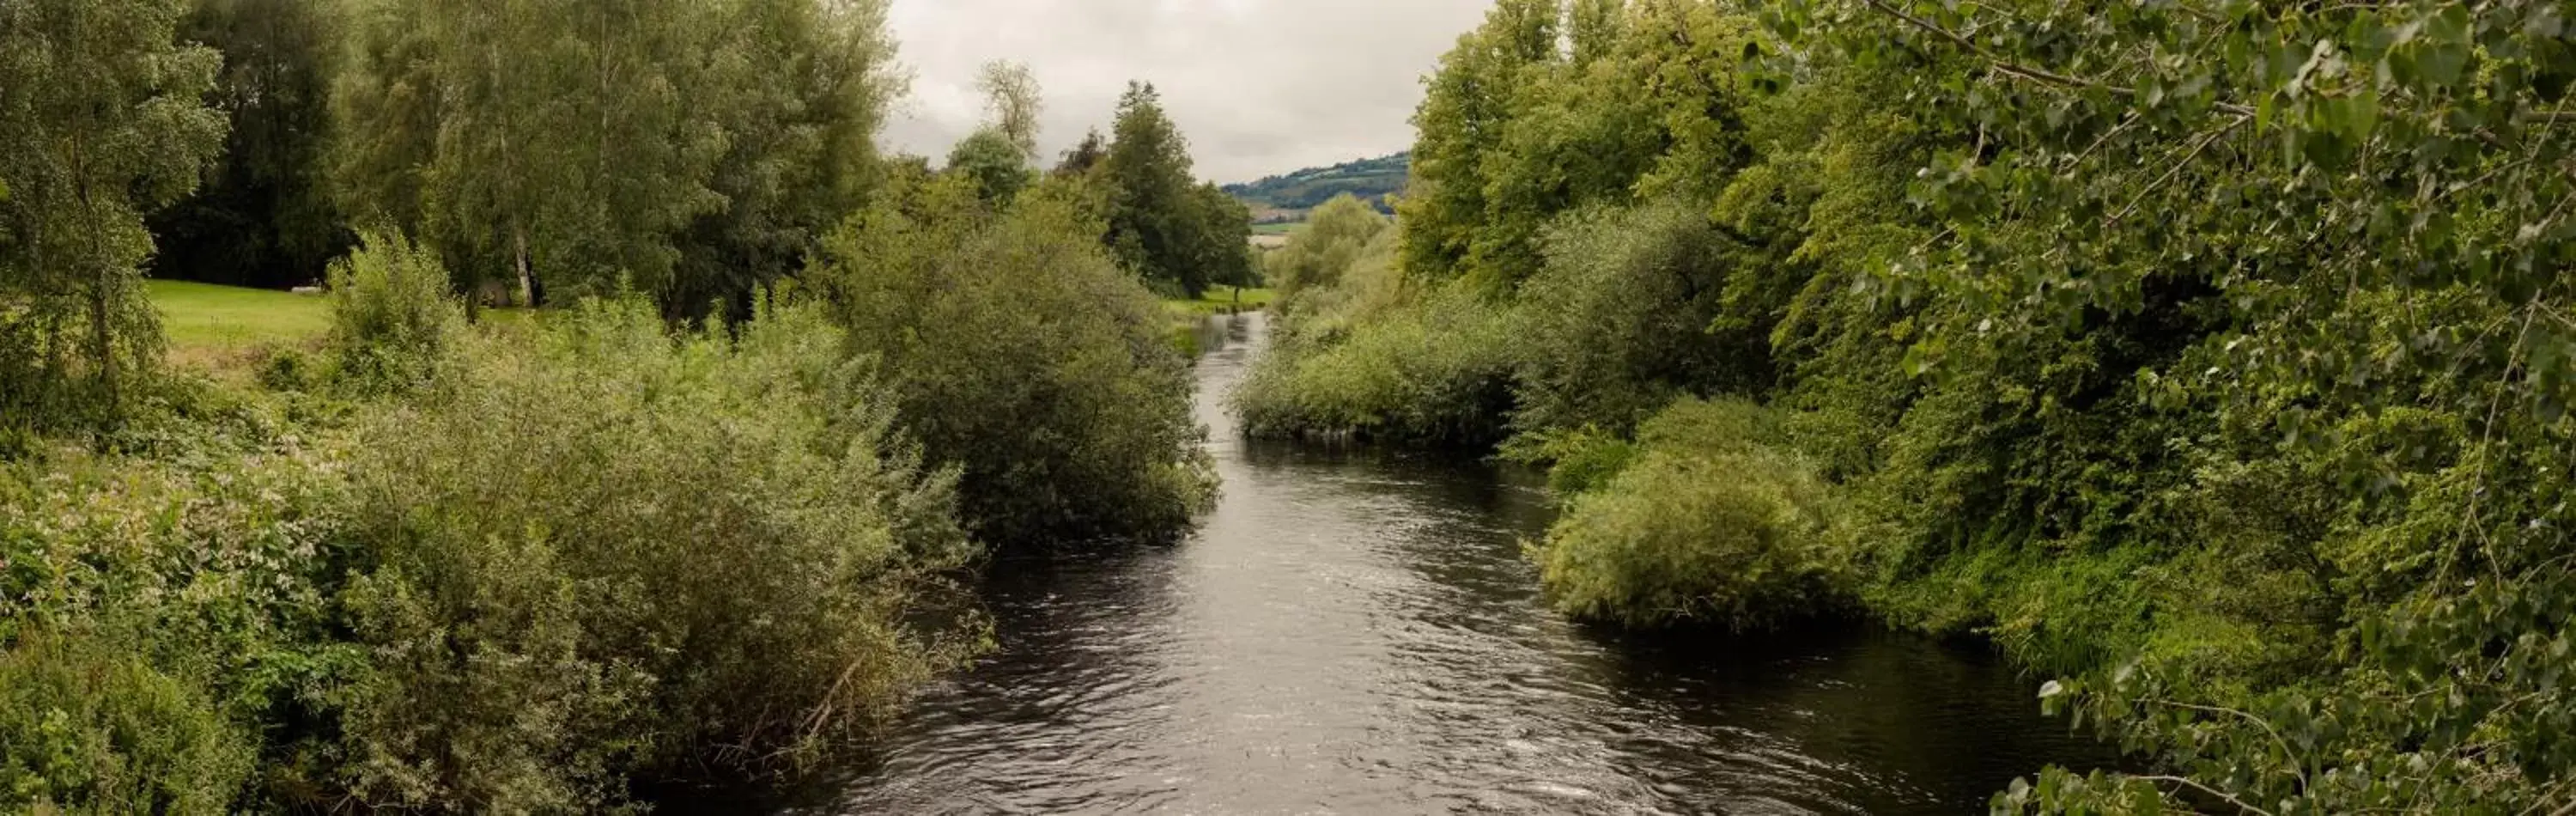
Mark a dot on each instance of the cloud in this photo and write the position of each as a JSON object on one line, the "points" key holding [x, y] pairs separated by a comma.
{"points": [[1259, 86]]}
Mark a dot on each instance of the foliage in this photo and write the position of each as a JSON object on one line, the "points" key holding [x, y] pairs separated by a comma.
{"points": [[1011, 92], [695, 151], [1635, 307], [1153, 226], [1021, 354], [1334, 238], [1713, 522], [997, 166], [264, 217], [1423, 368], [2213, 356], [83, 729], [535, 593], [105, 122], [392, 321], [1514, 130]]}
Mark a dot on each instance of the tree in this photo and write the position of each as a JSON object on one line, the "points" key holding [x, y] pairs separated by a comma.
{"points": [[1011, 92], [1335, 235], [1219, 236], [799, 89], [1461, 122], [1022, 355], [690, 150], [105, 120], [993, 163], [997, 156], [1148, 174], [1084, 156], [265, 216]]}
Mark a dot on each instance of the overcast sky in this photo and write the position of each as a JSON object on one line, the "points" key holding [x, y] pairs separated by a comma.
{"points": [[1259, 86]]}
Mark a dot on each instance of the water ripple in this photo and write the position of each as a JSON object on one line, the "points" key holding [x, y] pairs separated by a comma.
{"points": [[1356, 632]]}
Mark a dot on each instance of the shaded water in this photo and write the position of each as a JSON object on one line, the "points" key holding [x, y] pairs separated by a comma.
{"points": [[1358, 633]]}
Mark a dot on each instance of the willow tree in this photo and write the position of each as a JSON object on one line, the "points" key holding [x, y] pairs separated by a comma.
{"points": [[104, 119]]}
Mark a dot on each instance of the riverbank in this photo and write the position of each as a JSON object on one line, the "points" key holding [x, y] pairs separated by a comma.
{"points": [[1354, 630]]}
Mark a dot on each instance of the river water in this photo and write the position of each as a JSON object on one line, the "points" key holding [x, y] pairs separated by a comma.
{"points": [[1357, 632]]}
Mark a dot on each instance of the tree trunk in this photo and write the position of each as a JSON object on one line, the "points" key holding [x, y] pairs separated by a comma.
{"points": [[519, 256], [103, 346]]}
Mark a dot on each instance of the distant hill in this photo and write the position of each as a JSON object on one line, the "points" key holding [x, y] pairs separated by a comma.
{"points": [[1370, 179]]}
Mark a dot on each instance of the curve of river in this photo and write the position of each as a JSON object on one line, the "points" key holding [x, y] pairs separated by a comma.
{"points": [[1358, 633]]}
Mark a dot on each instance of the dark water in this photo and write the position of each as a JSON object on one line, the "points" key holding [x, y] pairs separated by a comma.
{"points": [[1357, 633]]}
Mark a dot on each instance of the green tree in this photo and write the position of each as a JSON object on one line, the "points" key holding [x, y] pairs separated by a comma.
{"points": [[1084, 156], [997, 156], [996, 166], [688, 149], [104, 115], [1024, 356], [265, 216], [1460, 124], [1336, 233], [799, 89], [1147, 171], [1219, 237]]}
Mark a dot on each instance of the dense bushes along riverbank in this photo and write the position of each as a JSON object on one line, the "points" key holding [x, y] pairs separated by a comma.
{"points": [[509, 568], [2212, 358]]}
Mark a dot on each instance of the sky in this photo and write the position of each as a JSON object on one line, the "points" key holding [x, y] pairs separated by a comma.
{"points": [[1260, 87]]}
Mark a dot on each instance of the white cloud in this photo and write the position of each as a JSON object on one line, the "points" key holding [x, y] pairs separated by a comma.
{"points": [[1259, 86]]}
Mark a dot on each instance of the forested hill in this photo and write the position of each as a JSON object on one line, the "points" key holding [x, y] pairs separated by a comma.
{"points": [[1372, 180]]}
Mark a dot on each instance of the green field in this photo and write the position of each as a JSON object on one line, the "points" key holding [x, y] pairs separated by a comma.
{"points": [[1290, 228], [213, 325], [1221, 300]]}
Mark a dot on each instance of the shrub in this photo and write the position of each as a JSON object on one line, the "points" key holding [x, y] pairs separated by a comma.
{"points": [[85, 729], [1436, 370], [1634, 308], [615, 554], [392, 318], [1019, 352], [1713, 522], [166, 616]]}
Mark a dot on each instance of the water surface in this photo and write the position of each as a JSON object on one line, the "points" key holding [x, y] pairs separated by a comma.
{"points": [[1356, 632]]}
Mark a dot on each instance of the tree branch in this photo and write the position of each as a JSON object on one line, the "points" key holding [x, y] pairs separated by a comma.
{"points": [[2025, 72]]}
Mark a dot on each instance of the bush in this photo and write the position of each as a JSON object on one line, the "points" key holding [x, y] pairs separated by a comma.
{"points": [[1634, 308], [84, 729], [392, 318], [1713, 522], [615, 554], [166, 615], [1020, 353], [1432, 371]]}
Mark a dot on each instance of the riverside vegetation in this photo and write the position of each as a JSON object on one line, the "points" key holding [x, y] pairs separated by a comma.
{"points": [[2213, 358], [698, 508]]}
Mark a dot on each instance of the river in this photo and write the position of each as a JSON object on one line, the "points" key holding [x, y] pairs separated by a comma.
{"points": [[1356, 632]]}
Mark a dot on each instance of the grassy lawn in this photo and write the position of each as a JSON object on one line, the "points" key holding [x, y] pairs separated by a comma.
{"points": [[213, 326], [217, 327], [1219, 301]]}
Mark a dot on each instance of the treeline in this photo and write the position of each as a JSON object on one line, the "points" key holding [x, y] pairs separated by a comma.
{"points": [[702, 514], [2213, 358]]}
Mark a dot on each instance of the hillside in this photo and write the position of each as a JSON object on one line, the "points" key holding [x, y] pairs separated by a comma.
{"points": [[1370, 179]]}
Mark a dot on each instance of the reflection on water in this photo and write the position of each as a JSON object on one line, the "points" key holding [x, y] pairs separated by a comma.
{"points": [[1357, 633]]}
